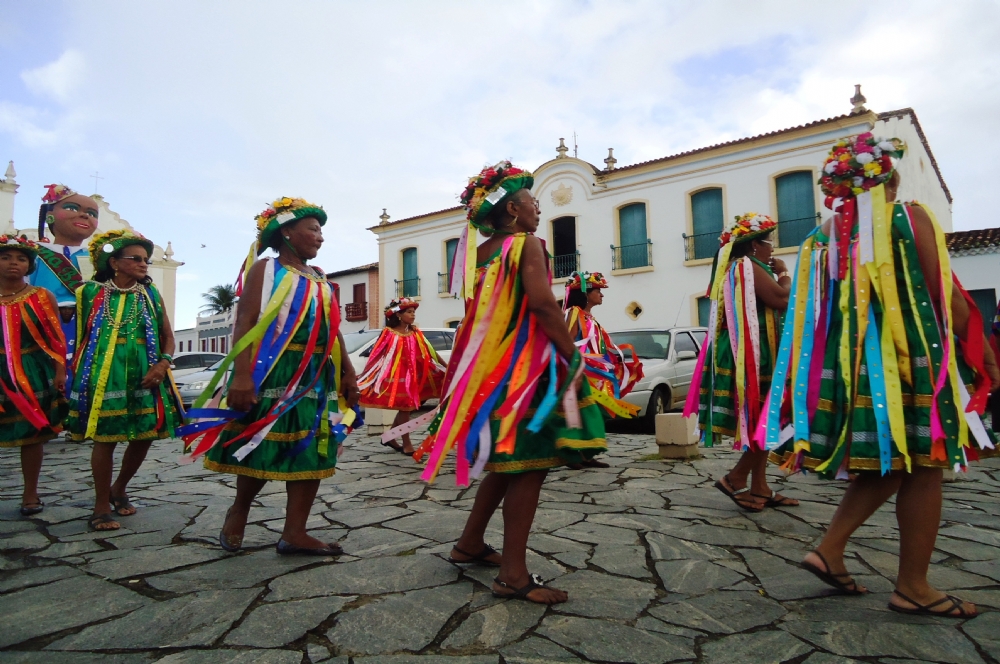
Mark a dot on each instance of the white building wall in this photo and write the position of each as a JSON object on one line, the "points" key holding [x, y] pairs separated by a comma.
{"points": [[185, 338], [346, 283], [978, 271]]}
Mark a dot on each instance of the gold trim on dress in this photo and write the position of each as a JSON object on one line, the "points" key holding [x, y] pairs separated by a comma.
{"points": [[267, 474], [865, 464], [529, 464]]}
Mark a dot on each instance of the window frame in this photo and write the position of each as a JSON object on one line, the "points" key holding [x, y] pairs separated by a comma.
{"points": [[617, 223], [773, 194], [689, 216]]}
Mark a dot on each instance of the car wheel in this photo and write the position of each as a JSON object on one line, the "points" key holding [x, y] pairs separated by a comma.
{"points": [[659, 403]]}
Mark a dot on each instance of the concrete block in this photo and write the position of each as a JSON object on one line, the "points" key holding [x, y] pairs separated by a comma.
{"points": [[378, 421], [677, 436]]}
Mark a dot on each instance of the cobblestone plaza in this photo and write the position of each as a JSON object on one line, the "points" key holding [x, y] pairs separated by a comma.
{"points": [[659, 566]]}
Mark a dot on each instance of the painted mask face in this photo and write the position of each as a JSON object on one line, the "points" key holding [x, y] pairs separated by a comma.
{"points": [[75, 220]]}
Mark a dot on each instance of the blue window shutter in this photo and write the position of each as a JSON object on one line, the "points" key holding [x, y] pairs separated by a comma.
{"points": [[704, 311], [632, 224], [410, 288], [796, 207], [706, 221], [449, 247]]}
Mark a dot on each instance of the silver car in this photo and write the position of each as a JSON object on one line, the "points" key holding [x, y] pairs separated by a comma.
{"points": [[668, 358], [193, 384]]}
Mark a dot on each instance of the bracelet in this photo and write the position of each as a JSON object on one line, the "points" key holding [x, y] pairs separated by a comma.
{"points": [[165, 356], [783, 274]]}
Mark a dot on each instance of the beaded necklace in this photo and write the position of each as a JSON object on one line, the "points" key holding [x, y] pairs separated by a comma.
{"points": [[129, 316]]}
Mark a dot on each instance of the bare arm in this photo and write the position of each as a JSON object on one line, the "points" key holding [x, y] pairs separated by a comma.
{"points": [[541, 302], [348, 385], [158, 372], [773, 294], [242, 395], [930, 265]]}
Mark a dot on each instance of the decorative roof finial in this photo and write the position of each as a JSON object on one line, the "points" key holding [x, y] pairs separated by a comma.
{"points": [[384, 218], [858, 100], [11, 173], [609, 163], [562, 149], [169, 252]]}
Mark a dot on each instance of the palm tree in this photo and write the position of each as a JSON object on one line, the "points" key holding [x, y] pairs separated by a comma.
{"points": [[219, 299]]}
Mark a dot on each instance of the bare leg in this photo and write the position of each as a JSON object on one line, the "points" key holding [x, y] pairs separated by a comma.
{"points": [[736, 479], [865, 495], [519, 506], [31, 468], [758, 485], [135, 454], [101, 465], [918, 513], [301, 494], [402, 417], [488, 497], [247, 489]]}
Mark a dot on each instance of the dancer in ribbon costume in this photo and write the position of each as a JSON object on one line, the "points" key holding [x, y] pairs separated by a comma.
{"points": [[734, 368], [605, 365], [882, 367], [72, 219], [403, 369], [32, 364], [122, 389], [514, 400], [288, 365]]}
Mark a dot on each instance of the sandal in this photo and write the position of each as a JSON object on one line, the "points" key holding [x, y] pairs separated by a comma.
{"points": [[595, 463], [776, 500], [742, 497], [832, 579], [534, 583], [286, 549], [398, 448], [479, 559], [925, 609], [29, 509], [98, 520], [119, 503], [230, 543]]}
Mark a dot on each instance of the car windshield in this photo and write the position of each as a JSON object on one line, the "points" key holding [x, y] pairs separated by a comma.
{"points": [[648, 344], [215, 366], [356, 340]]}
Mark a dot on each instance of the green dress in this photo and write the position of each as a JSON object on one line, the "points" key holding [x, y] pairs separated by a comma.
{"points": [[719, 410], [298, 446], [843, 428], [118, 340], [32, 362]]}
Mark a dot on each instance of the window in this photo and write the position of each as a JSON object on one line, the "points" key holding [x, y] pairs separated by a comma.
{"points": [[410, 284], [453, 324], [699, 336], [634, 247], [359, 293], [565, 259], [440, 340], [986, 302], [188, 362], [706, 222], [222, 342], [684, 342], [794, 193], [704, 310], [648, 345], [450, 247], [213, 344]]}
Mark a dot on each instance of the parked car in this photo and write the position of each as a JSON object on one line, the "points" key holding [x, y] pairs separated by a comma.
{"points": [[193, 383], [440, 338], [668, 358], [188, 363]]}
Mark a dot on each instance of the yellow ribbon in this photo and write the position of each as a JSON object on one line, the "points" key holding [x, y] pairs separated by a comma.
{"points": [[106, 361]]}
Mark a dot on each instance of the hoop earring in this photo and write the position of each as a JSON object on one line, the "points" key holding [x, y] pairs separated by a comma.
{"points": [[50, 219]]}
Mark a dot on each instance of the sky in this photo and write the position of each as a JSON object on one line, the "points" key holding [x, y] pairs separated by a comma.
{"points": [[198, 113]]}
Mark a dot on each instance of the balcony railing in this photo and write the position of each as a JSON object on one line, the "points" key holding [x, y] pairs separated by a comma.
{"points": [[443, 286], [791, 232], [356, 311], [565, 265], [702, 245], [630, 256], [407, 287]]}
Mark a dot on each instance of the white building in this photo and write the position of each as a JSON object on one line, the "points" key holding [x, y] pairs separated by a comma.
{"points": [[975, 258], [358, 293], [163, 270], [652, 228]]}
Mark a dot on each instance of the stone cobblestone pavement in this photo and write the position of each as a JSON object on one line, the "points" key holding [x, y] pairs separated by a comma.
{"points": [[659, 565]]}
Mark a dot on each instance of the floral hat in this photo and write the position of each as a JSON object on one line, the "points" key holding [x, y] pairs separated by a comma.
{"points": [[859, 163], [493, 184], [583, 281], [397, 306], [747, 227], [281, 212], [22, 244], [103, 245], [56, 192]]}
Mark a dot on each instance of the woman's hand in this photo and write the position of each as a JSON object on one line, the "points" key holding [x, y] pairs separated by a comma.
{"points": [[242, 396], [349, 389], [60, 379], [156, 374], [992, 372], [778, 265]]}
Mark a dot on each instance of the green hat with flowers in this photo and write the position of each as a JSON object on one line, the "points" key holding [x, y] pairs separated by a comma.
{"points": [[22, 244], [104, 245], [283, 211], [489, 189]]}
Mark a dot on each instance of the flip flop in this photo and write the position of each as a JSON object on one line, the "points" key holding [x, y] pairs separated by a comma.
{"points": [[776, 500], [227, 541], [479, 559], [534, 583], [286, 549], [925, 609], [398, 448], [29, 509], [119, 503], [101, 519], [832, 579], [594, 463], [750, 506]]}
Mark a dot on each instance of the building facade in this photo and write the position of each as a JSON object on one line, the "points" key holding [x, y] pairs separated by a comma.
{"points": [[975, 258], [358, 293], [652, 228], [163, 270]]}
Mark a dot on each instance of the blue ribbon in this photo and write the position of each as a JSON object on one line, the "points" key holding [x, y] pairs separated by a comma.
{"points": [[800, 411], [876, 379]]}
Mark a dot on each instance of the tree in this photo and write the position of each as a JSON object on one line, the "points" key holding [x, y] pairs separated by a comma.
{"points": [[219, 299]]}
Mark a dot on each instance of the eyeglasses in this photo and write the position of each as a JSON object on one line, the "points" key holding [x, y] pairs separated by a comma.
{"points": [[768, 243], [137, 259]]}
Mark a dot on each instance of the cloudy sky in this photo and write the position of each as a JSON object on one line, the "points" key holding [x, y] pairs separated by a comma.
{"points": [[198, 113]]}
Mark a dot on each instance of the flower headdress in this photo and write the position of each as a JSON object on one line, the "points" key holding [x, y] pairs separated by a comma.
{"points": [[747, 227], [282, 211], [483, 193], [583, 281], [22, 244], [397, 306], [53, 194], [857, 164], [103, 245]]}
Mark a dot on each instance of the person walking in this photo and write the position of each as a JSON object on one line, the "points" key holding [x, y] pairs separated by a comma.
{"points": [[879, 349], [32, 364], [749, 294], [403, 369], [515, 403], [122, 390], [289, 370]]}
